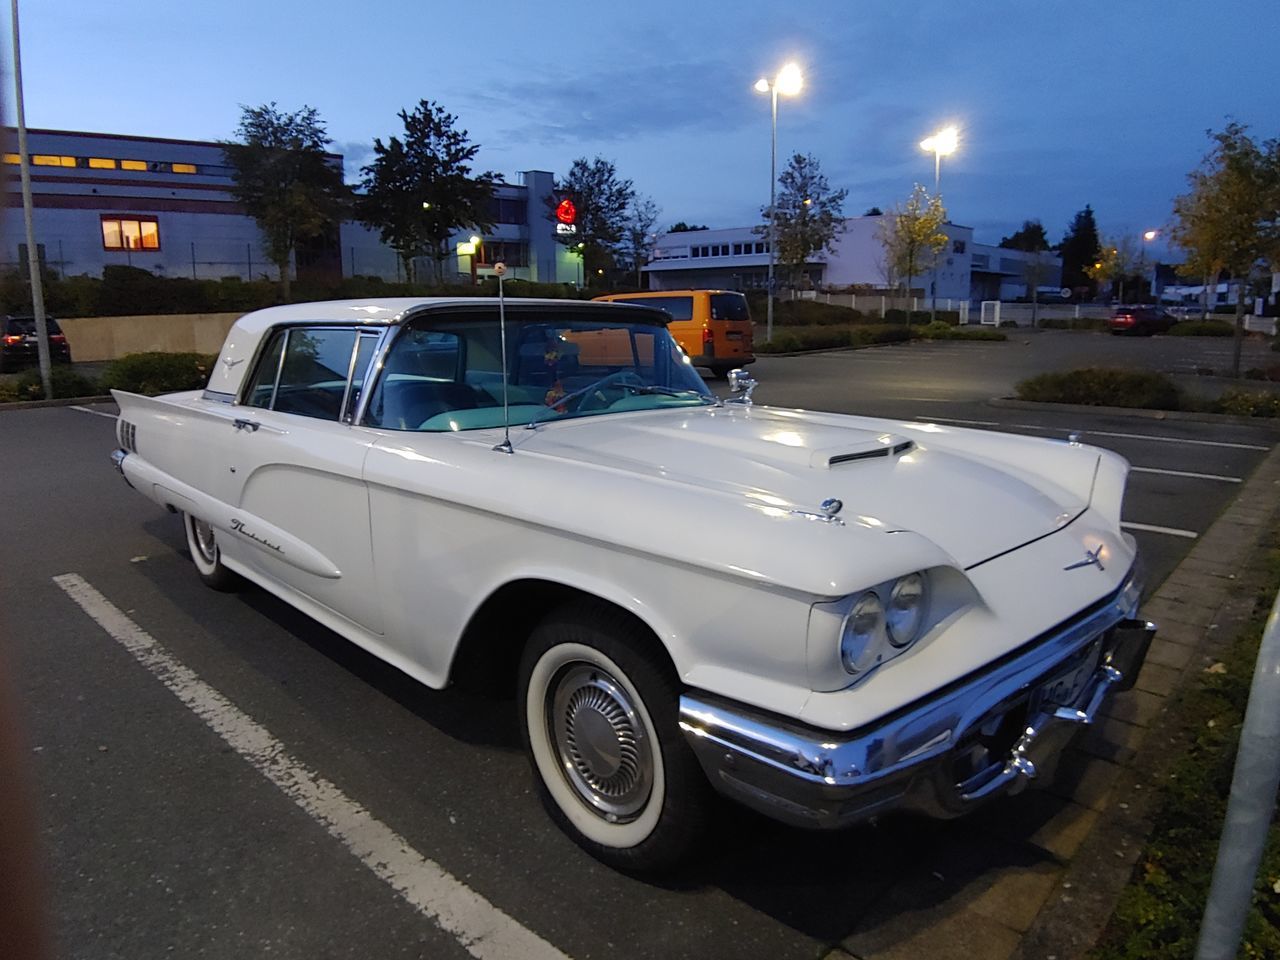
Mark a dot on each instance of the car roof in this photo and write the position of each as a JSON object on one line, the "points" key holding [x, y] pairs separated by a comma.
{"points": [[394, 310]]}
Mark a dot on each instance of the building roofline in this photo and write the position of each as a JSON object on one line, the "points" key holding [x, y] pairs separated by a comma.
{"points": [[92, 135]]}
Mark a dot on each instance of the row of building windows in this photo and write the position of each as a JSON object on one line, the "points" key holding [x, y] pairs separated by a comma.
{"points": [[512, 253], [110, 163], [508, 210], [729, 249]]}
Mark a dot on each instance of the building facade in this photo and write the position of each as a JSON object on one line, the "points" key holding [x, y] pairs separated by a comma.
{"points": [[166, 206], [738, 259]]}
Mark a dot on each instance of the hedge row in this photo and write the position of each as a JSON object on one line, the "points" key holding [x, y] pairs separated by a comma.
{"points": [[1101, 387], [796, 339], [146, 373]]}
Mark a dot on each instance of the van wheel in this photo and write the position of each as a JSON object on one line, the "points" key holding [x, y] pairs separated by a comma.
{"points": [[720, 371], [598, 713], [207, 556]]}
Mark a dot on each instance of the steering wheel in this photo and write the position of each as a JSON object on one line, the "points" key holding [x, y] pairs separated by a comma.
{"points": [[595, 397]]}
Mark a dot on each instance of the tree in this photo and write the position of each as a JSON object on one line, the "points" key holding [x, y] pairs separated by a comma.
{"points": [[807, 215], [874, 212], [912, 235], [420, 191], [1116, 261], [1231, 216], [1079, 248], [638, 236], [683, 227], [601, 201], [285, 180], [1030, 237], [1036, 269]]}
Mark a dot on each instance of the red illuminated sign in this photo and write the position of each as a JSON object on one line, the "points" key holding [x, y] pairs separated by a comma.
{"points": [[566, 212]]}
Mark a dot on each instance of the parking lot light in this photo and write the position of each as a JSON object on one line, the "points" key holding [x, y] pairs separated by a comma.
{"points": [[788, 82]]}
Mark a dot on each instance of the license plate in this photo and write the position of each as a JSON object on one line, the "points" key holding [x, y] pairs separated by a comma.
{"points": [[733, 334], [1063, 689]]}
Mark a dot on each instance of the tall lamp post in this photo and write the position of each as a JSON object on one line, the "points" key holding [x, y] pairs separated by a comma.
{"points": [[788, 82], [1147, 237], [941, 144]]}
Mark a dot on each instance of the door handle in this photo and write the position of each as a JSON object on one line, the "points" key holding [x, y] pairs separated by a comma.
{"points": [[241, 424]]}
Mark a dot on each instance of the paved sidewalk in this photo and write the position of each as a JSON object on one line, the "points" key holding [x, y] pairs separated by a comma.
{"points": [[1039, 874]]}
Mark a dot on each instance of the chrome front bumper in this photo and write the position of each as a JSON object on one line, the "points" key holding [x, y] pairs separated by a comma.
{"points": [[987, 734]]}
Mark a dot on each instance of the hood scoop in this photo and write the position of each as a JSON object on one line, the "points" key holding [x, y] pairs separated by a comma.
{"points": [[884, 447]]}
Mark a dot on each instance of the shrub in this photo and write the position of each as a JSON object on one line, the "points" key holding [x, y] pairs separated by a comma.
{"points": [[1248, 403], [1201, 328], [1072, 323], [66, 382], [895, 315], [1096, 386], [153, 373], [944, 331], [1271, 373], [879, 333]]}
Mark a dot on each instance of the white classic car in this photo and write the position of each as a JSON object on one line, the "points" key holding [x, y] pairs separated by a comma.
{"points": [[821, 616]]}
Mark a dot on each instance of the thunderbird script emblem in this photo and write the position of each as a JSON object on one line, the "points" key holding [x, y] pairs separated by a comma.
{"points": [[1092, 558]]}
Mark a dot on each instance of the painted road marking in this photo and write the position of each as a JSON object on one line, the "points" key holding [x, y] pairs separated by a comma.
{"points": [[481, 928], [1148, 528], [967, 423], [1144, 436], [96, 413], [1187, 473]]}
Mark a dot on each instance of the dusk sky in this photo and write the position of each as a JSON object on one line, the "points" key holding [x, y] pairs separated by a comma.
{"points": [[1059, 103]]}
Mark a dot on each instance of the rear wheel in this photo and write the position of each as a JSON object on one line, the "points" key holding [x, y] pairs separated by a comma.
{"points": [[207, 556], [720, 371], [599, 717]]}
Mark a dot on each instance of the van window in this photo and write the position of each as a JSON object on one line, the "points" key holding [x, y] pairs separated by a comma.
{"points": [[680, 308], [729, 306]]}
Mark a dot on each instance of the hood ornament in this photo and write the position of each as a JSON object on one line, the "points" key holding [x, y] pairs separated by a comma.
{"points": [[741, 382], [1092, 558], [831, 506]]}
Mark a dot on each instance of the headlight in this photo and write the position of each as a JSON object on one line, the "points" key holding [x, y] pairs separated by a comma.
{"points": [[862, 636], [906, 610]]}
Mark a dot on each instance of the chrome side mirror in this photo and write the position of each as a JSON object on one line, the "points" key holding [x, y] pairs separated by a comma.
{"points": [[742, 382]]}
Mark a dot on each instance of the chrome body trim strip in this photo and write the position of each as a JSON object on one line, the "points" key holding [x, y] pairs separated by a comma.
{"points": [[818, 778]]}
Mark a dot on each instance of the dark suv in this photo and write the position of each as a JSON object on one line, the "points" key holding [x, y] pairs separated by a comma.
{"points": [[18, 343], [1141, 321]]}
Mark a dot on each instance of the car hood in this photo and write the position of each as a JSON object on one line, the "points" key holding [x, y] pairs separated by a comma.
{"points": [[975, 495]]}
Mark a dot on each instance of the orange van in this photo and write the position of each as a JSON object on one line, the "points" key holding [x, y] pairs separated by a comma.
{"points": [[712, 326]]}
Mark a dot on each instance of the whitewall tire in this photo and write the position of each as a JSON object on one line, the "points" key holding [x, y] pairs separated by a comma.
{"points": [[207, 556]]}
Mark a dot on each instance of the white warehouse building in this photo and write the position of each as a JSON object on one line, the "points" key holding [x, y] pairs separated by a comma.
{"points": [[738, 259]]}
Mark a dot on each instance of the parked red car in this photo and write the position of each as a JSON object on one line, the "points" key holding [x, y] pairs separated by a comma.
{"points": [[1141, 321]]}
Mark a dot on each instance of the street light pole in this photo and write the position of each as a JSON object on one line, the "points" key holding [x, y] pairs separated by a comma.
{"points": [[33, 252], [788, 82], [940, 143]]}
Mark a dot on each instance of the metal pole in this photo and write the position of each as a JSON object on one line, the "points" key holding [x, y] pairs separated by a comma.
{"points": [[937, 189], [33, 252], [193, 260], [773, 184], [1253, 799]]}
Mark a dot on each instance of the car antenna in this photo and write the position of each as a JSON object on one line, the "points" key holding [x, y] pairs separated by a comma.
{"points": [[505, 446]]}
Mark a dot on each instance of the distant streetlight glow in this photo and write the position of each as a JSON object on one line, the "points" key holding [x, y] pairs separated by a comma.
{"points": [[941, 144], [1151, 235], [788, 82]]}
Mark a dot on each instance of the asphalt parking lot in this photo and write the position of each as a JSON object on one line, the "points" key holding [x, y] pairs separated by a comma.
{"points": [[163, 840]]}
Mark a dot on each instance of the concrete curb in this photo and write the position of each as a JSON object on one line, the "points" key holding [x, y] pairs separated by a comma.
{"points": [[869, 346], [1185, 415], [56, 402]]}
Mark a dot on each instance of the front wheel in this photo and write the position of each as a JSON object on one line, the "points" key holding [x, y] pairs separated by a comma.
{"points": [[207, 556], [599, 717]]}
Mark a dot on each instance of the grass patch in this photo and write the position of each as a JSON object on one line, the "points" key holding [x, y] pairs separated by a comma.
{"points": [[1201, 328], [66, 382], [1159, 913]]}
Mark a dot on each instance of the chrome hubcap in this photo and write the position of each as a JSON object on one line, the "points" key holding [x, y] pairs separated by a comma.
{"points": [[603, 744], [204, 540]]}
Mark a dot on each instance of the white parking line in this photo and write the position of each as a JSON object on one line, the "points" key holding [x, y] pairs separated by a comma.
{"points": [[1198, 443], [1148, 528], [96, 413], [482, 929], [1187, 473], [967, 423]]}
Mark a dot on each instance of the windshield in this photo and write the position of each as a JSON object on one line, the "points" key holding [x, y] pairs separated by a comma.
{"points": [[445, 374]]}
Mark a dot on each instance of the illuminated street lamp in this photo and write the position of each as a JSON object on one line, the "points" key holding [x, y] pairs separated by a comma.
{"points": [[1147, 237], [941, 144], [470, 249], [788, 82]]}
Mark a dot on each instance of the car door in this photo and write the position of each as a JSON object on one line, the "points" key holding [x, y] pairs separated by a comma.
{"points": [[294, 470]]}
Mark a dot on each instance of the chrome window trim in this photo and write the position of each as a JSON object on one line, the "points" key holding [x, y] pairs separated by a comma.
{"points": [[284, 350], [348, 415], [386, 338]]}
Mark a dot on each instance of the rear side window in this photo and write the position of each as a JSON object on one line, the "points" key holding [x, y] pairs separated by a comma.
{"points": [[729, 306], [680, 308], [304, 371], [26, 326]]}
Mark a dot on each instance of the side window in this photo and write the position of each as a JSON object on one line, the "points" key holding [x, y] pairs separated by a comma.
{"points": [[365, 348], [422, 378], [263, 385], [313, 377]]}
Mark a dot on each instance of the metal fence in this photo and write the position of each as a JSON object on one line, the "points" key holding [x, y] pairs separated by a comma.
{"points": [[874, 303]]}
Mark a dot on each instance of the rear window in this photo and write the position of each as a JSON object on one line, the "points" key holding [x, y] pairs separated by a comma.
{"points": [[26, 326], [680, 308], [729, 306]]}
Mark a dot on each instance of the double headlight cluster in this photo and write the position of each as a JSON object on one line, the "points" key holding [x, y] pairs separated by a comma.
{"points": [[883, 623]]}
